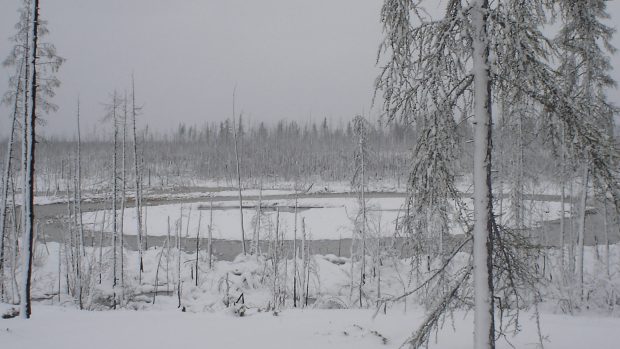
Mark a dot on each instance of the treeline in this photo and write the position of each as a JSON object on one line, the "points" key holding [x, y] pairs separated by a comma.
{"points": [[281, 151], [269, 153]]}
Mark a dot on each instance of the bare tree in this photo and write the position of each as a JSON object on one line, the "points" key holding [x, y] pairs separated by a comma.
{"points": [[28, 151], [4, 195], [123, 196], [198, 245], [138, 194], [78, 206], [235, 135], [361, 130], [210, 238], [114, 117]]}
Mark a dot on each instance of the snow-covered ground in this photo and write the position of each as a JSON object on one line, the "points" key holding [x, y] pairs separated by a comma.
{"points": [[207, 322], [60, 328]]}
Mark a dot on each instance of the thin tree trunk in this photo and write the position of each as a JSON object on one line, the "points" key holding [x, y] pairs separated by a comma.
{"points": [[189, 214], [562, 204], [582, 228], [5, 182], [145, 222], [276, 261], [80, 250], [101, 247], [123, 196], [6, 175], [238, 179], [363, 204], [14, 255], [137, 178], [28, 233], [303, 259], [168, 258], [571, 230], [178, 232], [114, 198], [295, 255], [210, 241], [606, 227], [307, 277], [76, 239], [157, 270], [256, 242], [562, 224], [198, 244], [59, 270]]}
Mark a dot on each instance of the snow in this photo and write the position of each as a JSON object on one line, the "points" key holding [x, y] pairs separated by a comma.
{"points": [[207, 322], [218, 193], [60, 328], [326, 218], [330, 220]]}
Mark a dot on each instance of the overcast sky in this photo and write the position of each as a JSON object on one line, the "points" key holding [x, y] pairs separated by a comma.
{"points": [[292, 59]]}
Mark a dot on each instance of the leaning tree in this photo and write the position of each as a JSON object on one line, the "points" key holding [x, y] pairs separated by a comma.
{"points": [[446, 70]]}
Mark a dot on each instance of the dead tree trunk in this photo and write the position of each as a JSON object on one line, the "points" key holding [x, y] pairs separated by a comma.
{"points": [[295, 255], [238, 178], [28, 209], [123, 196], [5, 180], [78, 205], [114, 197], [198, 244], [210, 240], [582, 228], [138, 198]]}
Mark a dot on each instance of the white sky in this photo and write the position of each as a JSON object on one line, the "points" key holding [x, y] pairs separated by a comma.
{"points": [[290, 59]]}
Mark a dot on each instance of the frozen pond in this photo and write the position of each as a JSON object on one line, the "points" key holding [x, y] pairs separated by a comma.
{"points": [[328, 217], [325, 219]]}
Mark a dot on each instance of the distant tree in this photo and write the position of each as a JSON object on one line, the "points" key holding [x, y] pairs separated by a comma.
{"points": [[240, 127], [262, 131], [324, 128]]}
